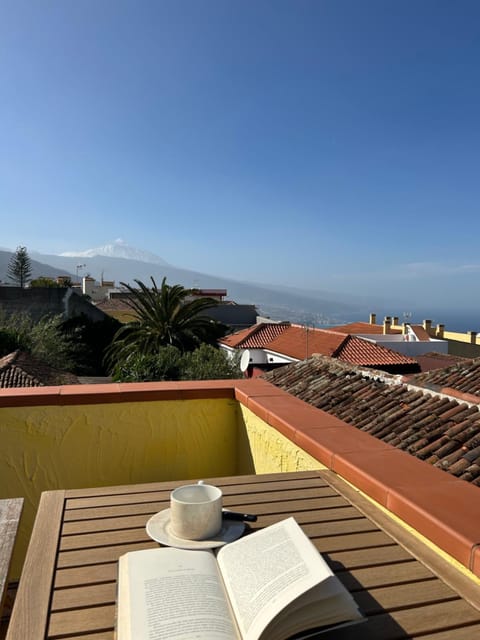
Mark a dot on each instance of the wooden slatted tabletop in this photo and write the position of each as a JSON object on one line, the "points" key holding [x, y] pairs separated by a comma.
{"points": [[68, 585]]}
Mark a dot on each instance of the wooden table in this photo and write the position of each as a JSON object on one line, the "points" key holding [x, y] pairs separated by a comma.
{"points": [[68, 586]]}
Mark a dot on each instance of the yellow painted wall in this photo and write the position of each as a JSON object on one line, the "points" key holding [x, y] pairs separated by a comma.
{"points": [[460, 337], [265, 450], [65, 447], [74, 446]]}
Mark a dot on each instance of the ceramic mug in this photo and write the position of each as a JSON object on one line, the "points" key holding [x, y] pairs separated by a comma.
{"points": [[196, 511]]}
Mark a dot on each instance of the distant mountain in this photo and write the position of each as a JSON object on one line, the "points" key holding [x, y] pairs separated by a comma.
{"points": [[117, 249], [277, 303]]}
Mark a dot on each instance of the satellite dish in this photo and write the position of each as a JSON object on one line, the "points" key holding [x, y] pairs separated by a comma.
{"points": [[245, 360]]}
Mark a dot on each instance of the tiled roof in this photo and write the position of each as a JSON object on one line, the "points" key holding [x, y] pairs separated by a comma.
{"points": [[256, 337], [117, 308], [369, 354], [462, 377], [442, 431], [113, 304], [434, 360], [364, 328], [19, 369], [420, 332], [298, 342]]}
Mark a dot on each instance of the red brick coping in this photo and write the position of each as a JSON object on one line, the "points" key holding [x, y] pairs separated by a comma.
{"points": [[438, 505]]}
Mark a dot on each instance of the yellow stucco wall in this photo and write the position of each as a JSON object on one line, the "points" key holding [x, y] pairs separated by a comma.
{"points": [[265, 450], [74, 446], [64, 447]]}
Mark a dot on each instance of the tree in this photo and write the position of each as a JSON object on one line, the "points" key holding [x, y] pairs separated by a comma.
{"points": [[44, 339], [88, 340], [164, 365], [19, 268], [209, 363], [164, 316], [50, 344]]}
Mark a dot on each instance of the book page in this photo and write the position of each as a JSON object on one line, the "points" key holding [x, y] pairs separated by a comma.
{"points": [[265, 571], [172, 594]]}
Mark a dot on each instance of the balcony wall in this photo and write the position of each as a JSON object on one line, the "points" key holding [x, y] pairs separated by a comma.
{"points": [[73, 437], [79, 436]]}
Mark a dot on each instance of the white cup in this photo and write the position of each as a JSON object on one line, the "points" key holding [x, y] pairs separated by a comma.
{"points": [[196, 511]]}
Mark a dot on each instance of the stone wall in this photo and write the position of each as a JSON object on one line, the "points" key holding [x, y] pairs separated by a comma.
{"points": [[39, 301]]}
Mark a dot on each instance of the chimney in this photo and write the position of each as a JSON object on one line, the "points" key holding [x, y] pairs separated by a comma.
{"points": [[395, 321], [427, 325], [440, 330], [404, 328], [387, 324], [373, 318], [473, 337]]}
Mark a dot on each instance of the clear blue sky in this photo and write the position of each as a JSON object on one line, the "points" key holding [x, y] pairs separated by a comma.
{"points": [[309, 143]]}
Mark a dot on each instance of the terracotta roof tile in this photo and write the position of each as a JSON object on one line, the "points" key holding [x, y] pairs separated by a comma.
{"points": [[368, 354], [256, 337], [434, 428], [300, 342], [363, 328], [434, 360], [19, 369], [463, 377], [420, 332], [113, 304]]}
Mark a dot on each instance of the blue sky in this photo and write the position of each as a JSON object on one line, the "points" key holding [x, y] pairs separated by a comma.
{"points": [[328, 144]]}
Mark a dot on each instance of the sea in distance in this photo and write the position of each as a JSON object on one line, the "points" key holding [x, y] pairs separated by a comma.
{"points": [[459, 320]]}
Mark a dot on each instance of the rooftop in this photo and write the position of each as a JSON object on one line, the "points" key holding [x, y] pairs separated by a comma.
{"points": [[255, 337], [299, 342], [442, 431], [364, 328], [20, 369], [462, 376], [433, 360]]}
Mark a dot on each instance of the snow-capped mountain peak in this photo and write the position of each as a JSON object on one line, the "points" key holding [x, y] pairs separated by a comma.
{"points": [[117, 249]]}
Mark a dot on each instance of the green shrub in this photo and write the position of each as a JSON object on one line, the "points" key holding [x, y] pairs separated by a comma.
{"points": [[169, 363]]}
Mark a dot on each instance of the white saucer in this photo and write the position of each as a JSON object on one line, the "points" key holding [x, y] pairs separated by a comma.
{"points": [[158, 528]]}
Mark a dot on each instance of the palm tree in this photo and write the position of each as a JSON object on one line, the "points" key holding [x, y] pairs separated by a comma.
{"points": [[163, 316]]}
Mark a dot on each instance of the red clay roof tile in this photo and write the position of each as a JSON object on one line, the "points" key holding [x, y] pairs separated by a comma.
{"points": [[439, 430], [256, 337], [19, 369], [369, 354], [300, 342], [362, 328], [462, 377]]}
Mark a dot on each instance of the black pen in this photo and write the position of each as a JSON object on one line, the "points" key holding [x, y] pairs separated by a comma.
{"points": [[234, 515]]}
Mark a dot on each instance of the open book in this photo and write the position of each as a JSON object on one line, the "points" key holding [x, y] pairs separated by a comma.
{"points": [[271, 584]]}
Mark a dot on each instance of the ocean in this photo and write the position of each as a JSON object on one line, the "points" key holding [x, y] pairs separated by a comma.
{"points": [[460, 320]]}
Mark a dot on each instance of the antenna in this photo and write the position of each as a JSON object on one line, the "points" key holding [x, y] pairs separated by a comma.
{"points": [[244, 360], [80, 266]]}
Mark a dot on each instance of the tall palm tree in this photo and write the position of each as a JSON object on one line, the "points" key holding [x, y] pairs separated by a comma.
{"points": [[163, 316]]}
